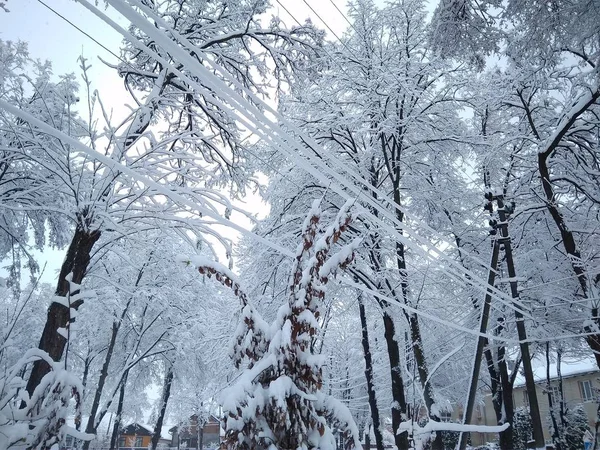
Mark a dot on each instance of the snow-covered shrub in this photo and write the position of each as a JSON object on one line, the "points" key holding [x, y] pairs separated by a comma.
{"points": [[277, 402], [38, 421], [577, 424], [521, 428]]}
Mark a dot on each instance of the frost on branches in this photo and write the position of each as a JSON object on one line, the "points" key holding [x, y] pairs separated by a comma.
{"points": [[277, 402]]}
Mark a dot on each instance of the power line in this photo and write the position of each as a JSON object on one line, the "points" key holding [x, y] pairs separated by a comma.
{"points": [[83, 32]]}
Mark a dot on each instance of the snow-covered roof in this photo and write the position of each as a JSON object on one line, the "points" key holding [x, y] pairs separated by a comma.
{"points": [[568, 368]]}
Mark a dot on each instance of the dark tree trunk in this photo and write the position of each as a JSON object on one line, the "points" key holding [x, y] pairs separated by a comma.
{"points": [[76, 262], [502, 388], [568, 238], [415, 329], [91, 424], [556, 430], [164, 400], [506, 440], [201, 437], [369, 375], [399, 405], [114, 439], [571, 249]]}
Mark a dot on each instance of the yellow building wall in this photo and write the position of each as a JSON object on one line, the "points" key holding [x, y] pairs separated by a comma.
{"points": [[572, 397]]}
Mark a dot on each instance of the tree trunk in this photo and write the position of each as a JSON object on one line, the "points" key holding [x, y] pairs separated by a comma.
{"points": [[114, 440], [76, 262], [534, 408], [164, 400], [481, 343], [556, 430], [398, 398], [91, 424], [415, 329], [201, 437], [572, 251], [501, 386], [399, 407], [506, 438], [369, 375]]}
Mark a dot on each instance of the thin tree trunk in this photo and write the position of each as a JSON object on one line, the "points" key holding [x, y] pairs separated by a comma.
{"points": [[76, 262], [507, 413], [399, 400], [501, 384], [399, 407], [481, 343], [415, 329], [116, 326], [91, 424], [568, 238], [201, 437], [556, 431], [114, 440], [166, 393], [369, 375]]}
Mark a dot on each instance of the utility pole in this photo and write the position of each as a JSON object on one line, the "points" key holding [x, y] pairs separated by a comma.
{"points": [[481, 340], [503, 242], [534, 409]]}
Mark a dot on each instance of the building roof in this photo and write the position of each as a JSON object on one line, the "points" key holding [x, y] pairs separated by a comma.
{"points": [[568, 368]]}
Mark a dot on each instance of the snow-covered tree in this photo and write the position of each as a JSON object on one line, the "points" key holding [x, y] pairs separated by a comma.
{"points": [[278, 401]]}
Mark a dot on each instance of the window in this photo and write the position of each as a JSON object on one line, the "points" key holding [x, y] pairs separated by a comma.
{"points": [[138, 441], [121, 442], [555, 394], [586, 390], [525, 399], [445, 416]]}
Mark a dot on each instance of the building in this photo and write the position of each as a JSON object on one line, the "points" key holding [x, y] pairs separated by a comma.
{"points": [[136, 435], [189, 435], [580, 382]]}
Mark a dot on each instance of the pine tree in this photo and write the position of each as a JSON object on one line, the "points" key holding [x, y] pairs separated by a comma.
{"points": [[521, 428]]}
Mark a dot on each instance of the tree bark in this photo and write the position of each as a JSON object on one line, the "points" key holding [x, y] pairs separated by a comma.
{"points": [[567, 236], [76, 262], [114, 439], [556, 430], [399, 407], [507, 411], [166, 393], [481, 343], [91, 424], [415, 329], [369, 375], [398, 398], [572, 251]]}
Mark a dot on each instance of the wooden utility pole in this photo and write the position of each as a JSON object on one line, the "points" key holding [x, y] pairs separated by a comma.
{"points": [[481, 342], [534, 409], [504, 241]]}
